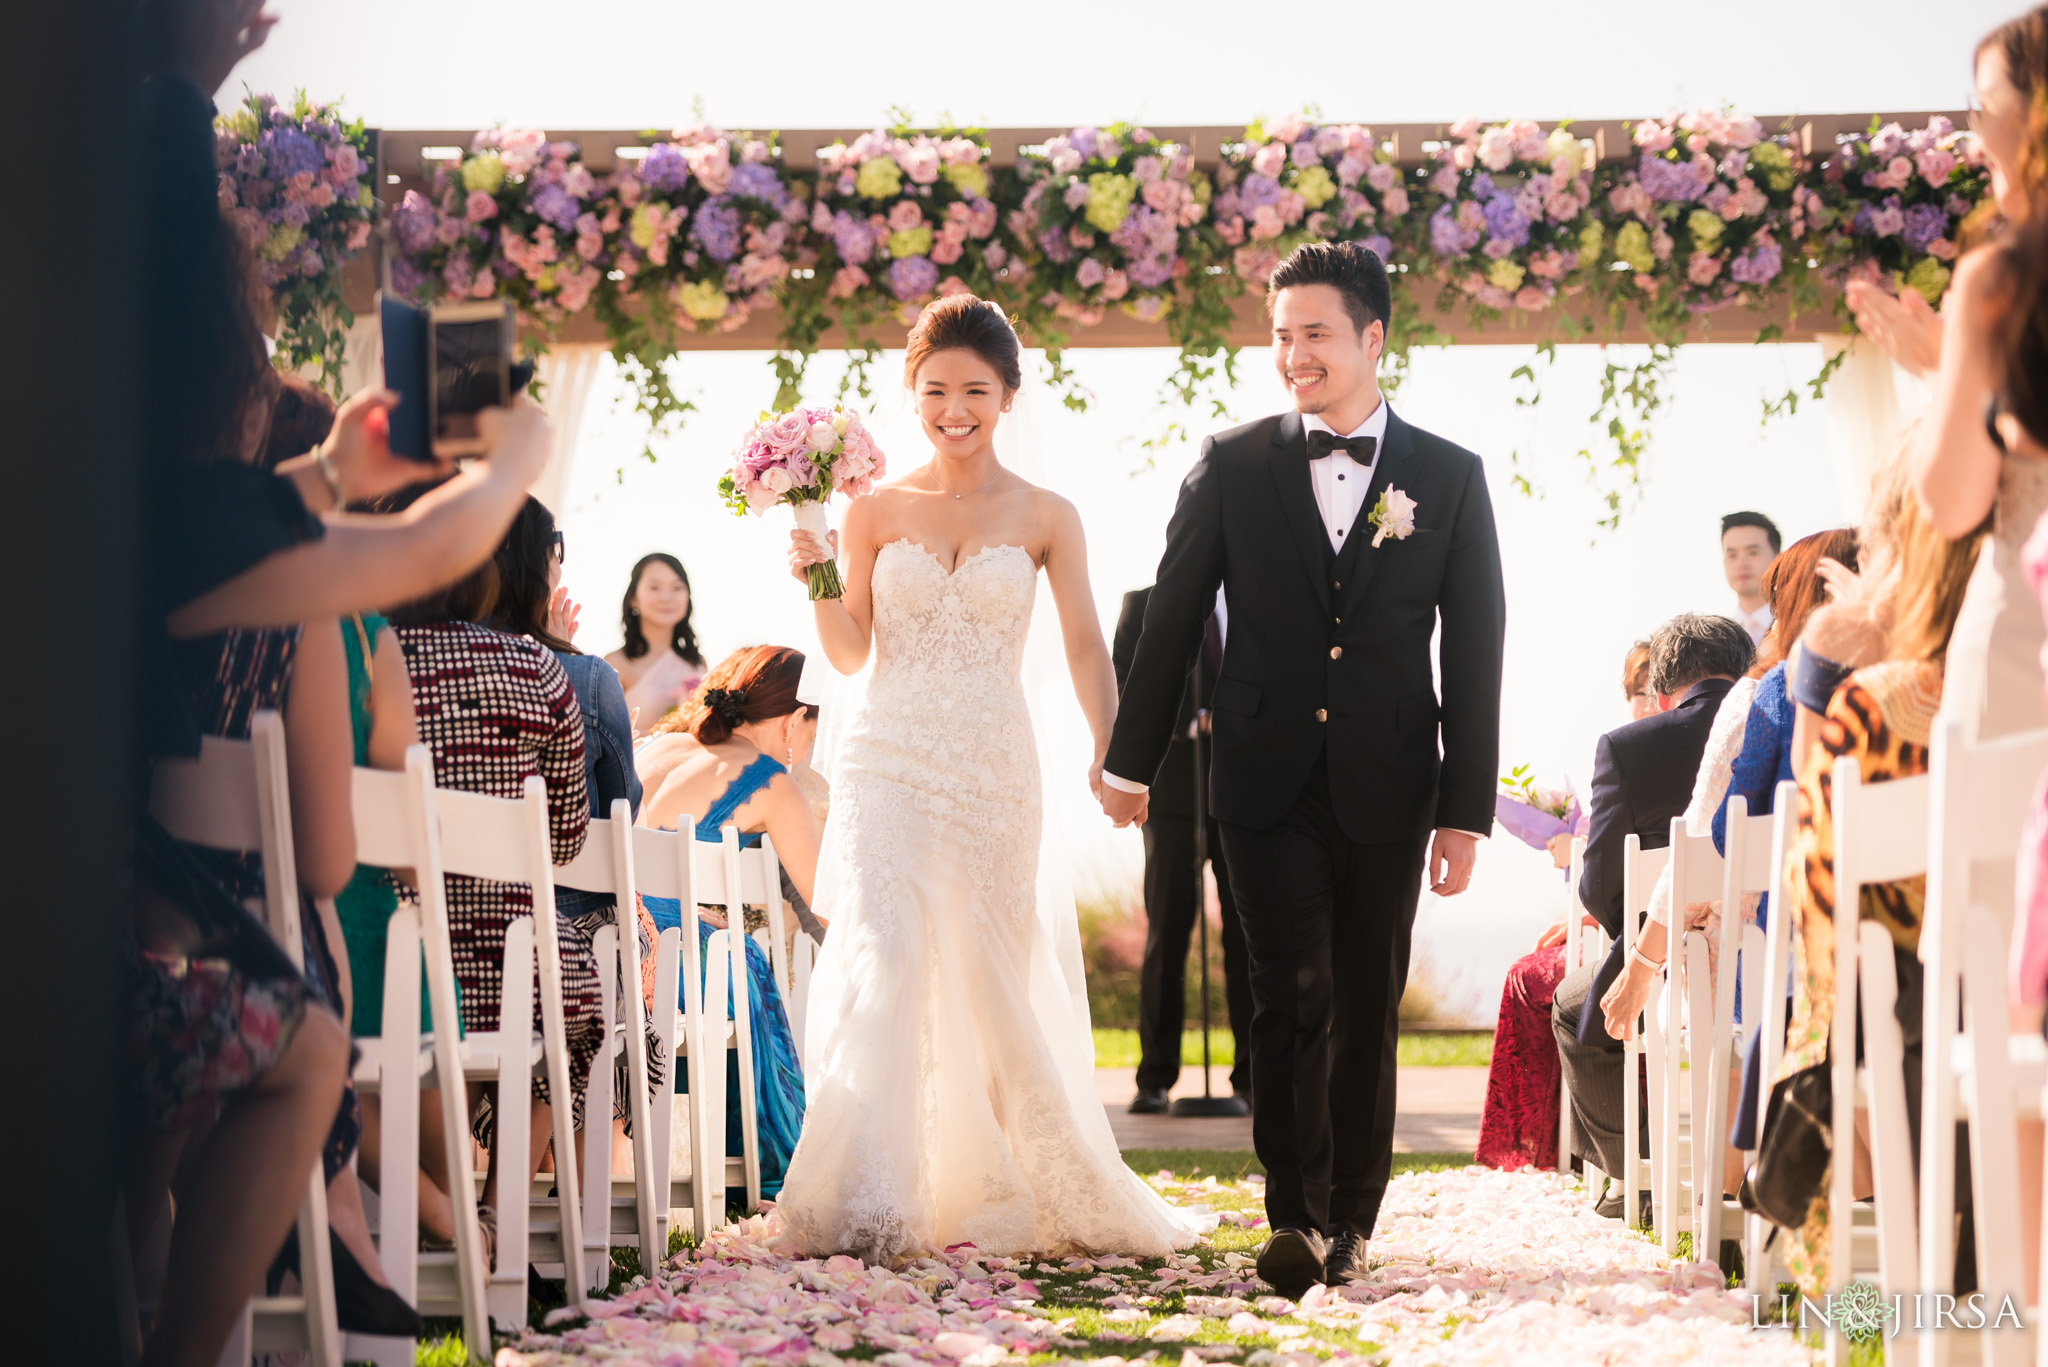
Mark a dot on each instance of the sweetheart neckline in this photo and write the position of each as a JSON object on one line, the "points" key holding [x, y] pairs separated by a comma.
{"points": [[964, 561]]}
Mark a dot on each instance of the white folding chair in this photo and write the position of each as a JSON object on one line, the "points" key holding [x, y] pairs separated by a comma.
{"points": [[1980, 797], [739, 878], [1639, 871], [1684, 1159], [507, 840], [235, 796], [1583, 944], [1880, 836], [396, 828], [1748, 869]]}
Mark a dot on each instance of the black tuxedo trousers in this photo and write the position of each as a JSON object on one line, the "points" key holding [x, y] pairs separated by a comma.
{"points": [[1327, 926]]}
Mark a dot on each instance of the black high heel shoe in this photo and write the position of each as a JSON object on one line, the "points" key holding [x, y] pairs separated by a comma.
{"points": [[361, 1306]]}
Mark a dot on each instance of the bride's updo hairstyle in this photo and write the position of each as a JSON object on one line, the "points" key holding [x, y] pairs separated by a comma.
{"points": [[962, 322], [758, 683]]}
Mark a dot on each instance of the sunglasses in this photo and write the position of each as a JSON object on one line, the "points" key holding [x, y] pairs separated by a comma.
{"points": [[559, 548]]}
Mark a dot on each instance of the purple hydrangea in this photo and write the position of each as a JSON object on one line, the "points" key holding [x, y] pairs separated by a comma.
{"points": [[1446, 238], [412, 225], [1150, 272], [557, 206], [1759, 265], [405, 277], [1674, 181], [1505, 222], [911, 277], [1924, 223], [717, 229], [1256, 191], [853, 238], [752, 180], [1380, 245], [665, 168], [1083, 140], [290, 152], [1053, 242]]}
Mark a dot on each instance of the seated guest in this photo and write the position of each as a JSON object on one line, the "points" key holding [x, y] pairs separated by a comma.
{"points": [[738, 738], [659, 664], [1519, 1125], [1642, 777], [1881, 717], [494, 708]]}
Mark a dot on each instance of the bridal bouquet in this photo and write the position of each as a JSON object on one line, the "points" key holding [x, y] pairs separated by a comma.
{"points": [[295, 182], [801, 457], [1532, 814]]}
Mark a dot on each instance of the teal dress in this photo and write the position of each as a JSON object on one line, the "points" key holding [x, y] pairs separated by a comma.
{"points": [[778, 1077], [365, 905]]}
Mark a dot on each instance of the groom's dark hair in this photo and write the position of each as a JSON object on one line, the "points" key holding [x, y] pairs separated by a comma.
{"points": [[1351, 268]]}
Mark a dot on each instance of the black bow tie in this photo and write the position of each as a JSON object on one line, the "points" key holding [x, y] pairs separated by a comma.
{"points": [[1321, 443]]}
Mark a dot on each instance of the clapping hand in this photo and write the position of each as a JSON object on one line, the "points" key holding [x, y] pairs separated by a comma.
{"points": [[563, 614], [1905, 326]]}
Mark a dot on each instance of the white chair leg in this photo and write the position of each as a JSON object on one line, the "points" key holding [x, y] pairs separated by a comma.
{"points": [[236, 1351], [515, 1099], [711, 1106], [1890, 1153], [597, 1119], [1994, 1129]]}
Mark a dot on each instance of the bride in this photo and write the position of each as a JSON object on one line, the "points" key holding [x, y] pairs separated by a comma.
{"points": [[950, 1085]]}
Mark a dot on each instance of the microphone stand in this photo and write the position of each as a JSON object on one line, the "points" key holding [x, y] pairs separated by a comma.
{"points": [[1207, 1104]]}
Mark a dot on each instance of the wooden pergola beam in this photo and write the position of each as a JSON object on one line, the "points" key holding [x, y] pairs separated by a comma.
{"points": [[402, 164]]}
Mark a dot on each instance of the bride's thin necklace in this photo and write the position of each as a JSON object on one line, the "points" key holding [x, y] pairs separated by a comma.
{"points": [[983, 488]]}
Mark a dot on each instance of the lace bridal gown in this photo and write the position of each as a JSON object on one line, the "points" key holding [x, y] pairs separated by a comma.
{"points": [[950, 1078]]}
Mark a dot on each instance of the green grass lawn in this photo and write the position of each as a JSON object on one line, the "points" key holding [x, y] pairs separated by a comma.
{"points": [[1465, 1049]]}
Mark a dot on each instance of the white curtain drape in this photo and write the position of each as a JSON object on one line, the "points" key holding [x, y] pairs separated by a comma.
{"points": [[1871, 403], [568, 373]]}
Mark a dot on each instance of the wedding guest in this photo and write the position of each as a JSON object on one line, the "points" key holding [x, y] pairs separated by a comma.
{"points": [[1173, 891], [659, 665], [494, 708], [1962, 469], [1749, 542], [1518, 1125], [1643, 776], [1881, 717], [235, 1062], [742, 733]]}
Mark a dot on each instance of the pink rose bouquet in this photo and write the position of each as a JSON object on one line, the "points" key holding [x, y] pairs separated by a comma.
{"points": [[1890, 203], [801, 457], [1293, 181], [1510, 224], [1708, 215], [295, 183]]}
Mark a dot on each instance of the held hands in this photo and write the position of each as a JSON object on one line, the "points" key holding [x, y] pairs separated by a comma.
{"points": [[807, 549], [1451, 857], [1122, 808]]}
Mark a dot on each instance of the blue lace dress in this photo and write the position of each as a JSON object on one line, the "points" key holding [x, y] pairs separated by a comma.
{"points": [[778, 1078]]}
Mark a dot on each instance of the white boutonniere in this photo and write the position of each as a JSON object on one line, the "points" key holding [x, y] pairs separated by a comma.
{"points": [[1393, 515]]}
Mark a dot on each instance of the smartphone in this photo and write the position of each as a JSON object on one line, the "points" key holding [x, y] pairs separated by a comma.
{"points": [[447, 363]]}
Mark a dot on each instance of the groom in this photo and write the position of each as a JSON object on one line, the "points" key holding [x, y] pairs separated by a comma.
{"points": [[1343, 537]]}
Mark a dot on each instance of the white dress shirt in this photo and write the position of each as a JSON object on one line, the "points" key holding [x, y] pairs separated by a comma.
{"points": [[1339, 481], [1755, 623]]}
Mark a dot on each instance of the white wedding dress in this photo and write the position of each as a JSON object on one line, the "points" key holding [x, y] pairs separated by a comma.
{"points": [[949, 1080]]}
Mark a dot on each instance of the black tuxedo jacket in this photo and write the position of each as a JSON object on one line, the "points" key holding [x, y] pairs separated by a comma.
{"points": [[1320, 658], [1173, 786], [1643, 776]]}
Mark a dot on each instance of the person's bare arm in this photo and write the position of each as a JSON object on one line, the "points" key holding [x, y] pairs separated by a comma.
{"points": [[366, 563], [320, 749], [1955, 466], [394, 727], [844, 624], [787, 816], [1066, 571]]}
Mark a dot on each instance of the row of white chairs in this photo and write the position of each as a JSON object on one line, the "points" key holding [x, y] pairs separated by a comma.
{"points": [[1957, 825], [234, 797]]}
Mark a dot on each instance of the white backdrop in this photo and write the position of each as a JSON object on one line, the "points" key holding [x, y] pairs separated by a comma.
{"points": [[1576, 597]]}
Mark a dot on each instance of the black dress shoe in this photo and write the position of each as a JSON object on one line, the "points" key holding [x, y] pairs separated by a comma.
{"points": [[361, 1306], [1150, 1101], [1346, 1258], [1292, 1261]]}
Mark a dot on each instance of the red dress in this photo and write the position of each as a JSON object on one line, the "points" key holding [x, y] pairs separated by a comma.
{"points": [[1519, 1126]]}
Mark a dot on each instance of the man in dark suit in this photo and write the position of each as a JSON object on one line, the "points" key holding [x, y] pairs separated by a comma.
{"points": [[1173, 893], [1643, 776], [1343, 538]]}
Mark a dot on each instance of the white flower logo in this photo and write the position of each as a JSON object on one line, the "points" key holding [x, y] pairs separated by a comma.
{"points": [[1393, 515], [1860, 1311]]}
